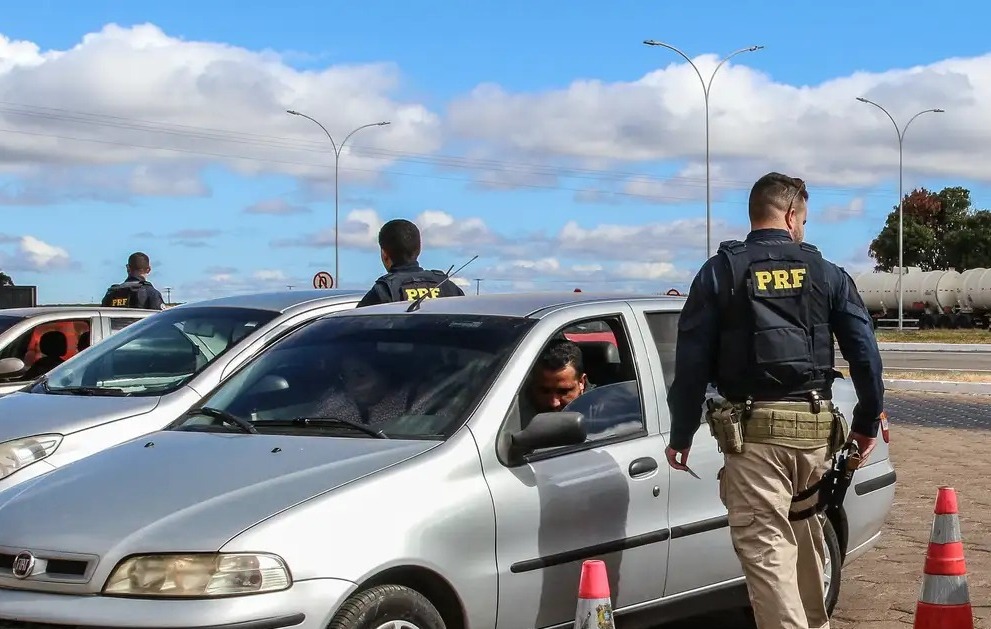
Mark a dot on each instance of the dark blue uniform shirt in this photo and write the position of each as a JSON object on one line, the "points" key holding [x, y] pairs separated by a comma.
{"points": [[698, 342]]}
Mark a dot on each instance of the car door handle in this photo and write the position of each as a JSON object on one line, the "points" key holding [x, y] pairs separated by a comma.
{"points": [[641, 466]]}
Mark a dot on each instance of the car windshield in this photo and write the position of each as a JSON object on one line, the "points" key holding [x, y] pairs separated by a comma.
{"points": [[7, 322], [156, 355], [407, 376]]}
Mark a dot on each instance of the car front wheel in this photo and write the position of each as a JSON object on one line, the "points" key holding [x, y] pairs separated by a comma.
{"points": [[387, 607]]}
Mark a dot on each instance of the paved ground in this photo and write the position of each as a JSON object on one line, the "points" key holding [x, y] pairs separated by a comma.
{"points": [[936, 439], [921, 361]]}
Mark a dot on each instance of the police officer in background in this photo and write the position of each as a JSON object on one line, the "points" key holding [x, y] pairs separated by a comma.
{"points": [[759, 324], [406, 280], [136, 291]]}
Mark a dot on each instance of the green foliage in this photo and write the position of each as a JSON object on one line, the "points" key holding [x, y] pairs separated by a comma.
{"points": [[5, 279], [941, 231]]}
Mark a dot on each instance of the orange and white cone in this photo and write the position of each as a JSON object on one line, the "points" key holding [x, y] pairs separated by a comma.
{"points": [[594, 601], [944, 600]]}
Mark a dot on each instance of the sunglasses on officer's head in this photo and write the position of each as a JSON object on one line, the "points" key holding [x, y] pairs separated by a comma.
{"points": [[800, 190]]}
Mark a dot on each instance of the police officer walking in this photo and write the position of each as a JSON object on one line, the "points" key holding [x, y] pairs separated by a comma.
{"points": [[759, 323], [406, 280], [136, 291]]}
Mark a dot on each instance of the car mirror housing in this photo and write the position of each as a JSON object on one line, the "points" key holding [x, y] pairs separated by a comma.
{"points": [[549, 430]]}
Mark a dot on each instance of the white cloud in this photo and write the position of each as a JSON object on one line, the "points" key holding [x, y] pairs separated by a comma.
{"points": [[819, 132], [276, 206], [135, 90], [220, 281], [840, 213], [32, 254]]}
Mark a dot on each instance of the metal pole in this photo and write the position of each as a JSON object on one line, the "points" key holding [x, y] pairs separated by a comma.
{"points": [[901, 215], [706, 87], [337, 161]]}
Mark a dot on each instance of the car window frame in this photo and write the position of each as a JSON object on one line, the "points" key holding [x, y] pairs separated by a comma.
{"points": [[18, 378], [512, 419]]}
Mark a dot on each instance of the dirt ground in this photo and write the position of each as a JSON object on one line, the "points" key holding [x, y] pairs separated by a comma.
{"points": [[880, 590]]}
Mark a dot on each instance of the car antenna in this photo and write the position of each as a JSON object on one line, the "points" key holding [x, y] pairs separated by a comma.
{"points": [[419, 300]]}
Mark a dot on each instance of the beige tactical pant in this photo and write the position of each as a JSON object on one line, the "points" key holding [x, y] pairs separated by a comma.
{"points": [[782, 560]]}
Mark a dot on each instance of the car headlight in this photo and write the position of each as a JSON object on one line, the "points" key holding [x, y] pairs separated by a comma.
{"points": [[20, 453], [198, 575]]}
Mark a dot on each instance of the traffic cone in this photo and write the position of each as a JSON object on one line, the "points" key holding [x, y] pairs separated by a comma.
{"points": [[594, 602], [944, 600]]}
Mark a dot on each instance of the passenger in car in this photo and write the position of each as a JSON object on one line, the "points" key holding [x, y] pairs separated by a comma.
{"points": [[558, 378], [367, 391], [53, 345]]}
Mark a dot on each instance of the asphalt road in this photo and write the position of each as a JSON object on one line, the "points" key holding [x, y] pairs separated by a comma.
{"points": [[932, 410], [929, 361]]}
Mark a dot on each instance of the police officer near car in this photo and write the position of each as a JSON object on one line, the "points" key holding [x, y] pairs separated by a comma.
{"points": [[135, 291], [406, 280], [759, 324]]}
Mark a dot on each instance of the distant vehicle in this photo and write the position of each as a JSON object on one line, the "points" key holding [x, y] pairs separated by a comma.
{"points": [[21, 330], [273, 503], [932, 299], [141, 378]]}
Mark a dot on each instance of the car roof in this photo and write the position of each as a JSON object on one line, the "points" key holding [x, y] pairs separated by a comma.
{"points": [[533, 304], [43, 310], [279, 301]]}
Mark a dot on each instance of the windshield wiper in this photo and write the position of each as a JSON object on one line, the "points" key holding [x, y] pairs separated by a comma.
{"points": [[85, 390], [226, 417], [325, 421]]}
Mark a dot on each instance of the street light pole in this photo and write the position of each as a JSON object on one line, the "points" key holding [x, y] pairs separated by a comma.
{"points": [[337, 163], [901, 219], [705, 91]]}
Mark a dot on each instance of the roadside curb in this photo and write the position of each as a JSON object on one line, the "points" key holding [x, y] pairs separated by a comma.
{"points": [[931, 347], [937, 386]]}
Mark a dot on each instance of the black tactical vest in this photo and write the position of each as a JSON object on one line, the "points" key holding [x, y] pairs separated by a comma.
{"points": [[775, 340], [123, 295], [411, 285]]}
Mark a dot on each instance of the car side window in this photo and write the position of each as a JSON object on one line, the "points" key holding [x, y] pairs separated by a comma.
{"points": [[46, 346], [664, 332], [119, 323], [611, 403]]}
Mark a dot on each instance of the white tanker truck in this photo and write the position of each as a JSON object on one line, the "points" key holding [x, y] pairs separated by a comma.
{"points": [[932, 299]]}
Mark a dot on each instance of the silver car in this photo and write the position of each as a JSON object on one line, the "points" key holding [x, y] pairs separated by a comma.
{"points": [[141, 378], [378, 469], [76, 327]]}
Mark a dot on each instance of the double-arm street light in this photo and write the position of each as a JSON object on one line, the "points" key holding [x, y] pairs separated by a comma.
{"points": [[705, 91], [901, 224], [337, 163]]}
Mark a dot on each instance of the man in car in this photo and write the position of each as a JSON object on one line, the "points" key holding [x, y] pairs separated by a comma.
{"points": [[558, 378], [135, 291], [406, 280]]}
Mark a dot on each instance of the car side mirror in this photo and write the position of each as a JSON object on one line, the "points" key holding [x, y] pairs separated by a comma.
{"points": [[11, 366], [549, 430]]}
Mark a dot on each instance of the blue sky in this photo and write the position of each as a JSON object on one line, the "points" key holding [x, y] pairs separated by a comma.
{"points": [[161, 133]]}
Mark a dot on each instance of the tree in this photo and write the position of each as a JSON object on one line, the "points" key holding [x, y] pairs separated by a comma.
{"points": [[942, 231], [5, 279]]}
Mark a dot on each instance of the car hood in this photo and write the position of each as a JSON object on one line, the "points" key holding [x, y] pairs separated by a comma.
{"points": [[183, 491], [25, 414]]}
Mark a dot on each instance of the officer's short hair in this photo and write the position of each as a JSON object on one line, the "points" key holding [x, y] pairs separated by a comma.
{"points": [[400, 239], [138, 261], [559, 354], [775, 191]]}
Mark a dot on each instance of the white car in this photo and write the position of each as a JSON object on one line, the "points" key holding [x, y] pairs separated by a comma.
{"points": [[143, 377]]}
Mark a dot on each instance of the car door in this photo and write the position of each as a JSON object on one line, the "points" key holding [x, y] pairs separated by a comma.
{"points": [[701, 553], [604, 499]]}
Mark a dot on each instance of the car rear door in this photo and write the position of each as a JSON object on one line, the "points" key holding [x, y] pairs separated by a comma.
{"points": [[701, 553]]}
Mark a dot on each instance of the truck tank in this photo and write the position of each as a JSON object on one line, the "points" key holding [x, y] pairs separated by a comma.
{"points": [[976, 291]]}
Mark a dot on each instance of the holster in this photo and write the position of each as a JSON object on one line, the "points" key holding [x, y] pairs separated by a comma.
{"points": [[726, 425]]}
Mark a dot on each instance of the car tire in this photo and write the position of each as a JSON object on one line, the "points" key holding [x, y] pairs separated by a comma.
{"points": [[378, 605], [834, 558]]}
